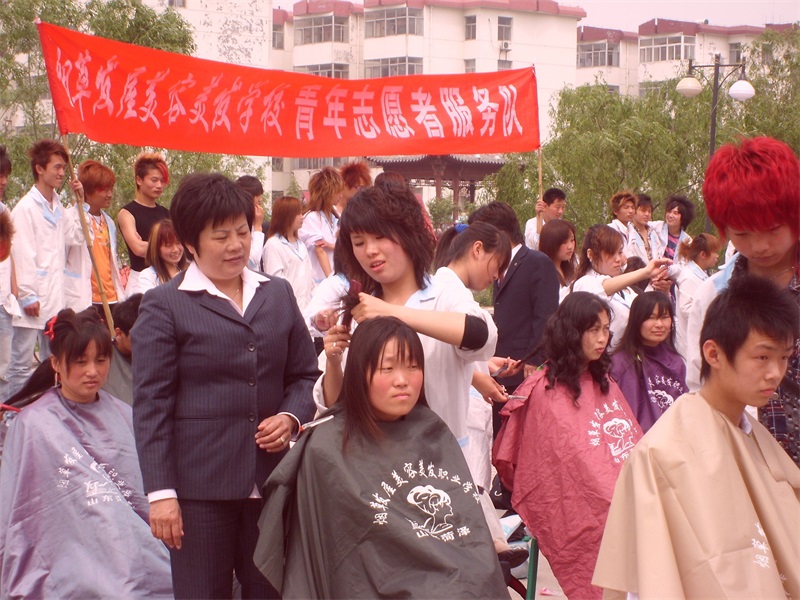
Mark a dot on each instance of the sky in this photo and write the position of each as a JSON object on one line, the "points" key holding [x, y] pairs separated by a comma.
{"points": [[629, 14]]}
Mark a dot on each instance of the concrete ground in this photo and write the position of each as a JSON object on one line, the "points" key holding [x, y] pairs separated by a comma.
{"points": [[545, 579]]}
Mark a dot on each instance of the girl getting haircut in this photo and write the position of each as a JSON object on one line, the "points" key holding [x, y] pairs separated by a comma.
{"points": [[162, 234], [454, 245], [284, 212], [70, 335], [703, 243], [323, 187], [753, 186], [642, 308], [394, 214], [555, 233], [562, 343], [366, 352], [601, 240]]}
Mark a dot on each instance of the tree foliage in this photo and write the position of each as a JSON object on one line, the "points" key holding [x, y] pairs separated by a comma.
{"points": [[26, 115], [656, 144], [441, 212]]}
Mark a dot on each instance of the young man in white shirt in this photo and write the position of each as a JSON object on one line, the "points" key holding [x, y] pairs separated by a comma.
{"points": [[39, 258], [550, 207]]}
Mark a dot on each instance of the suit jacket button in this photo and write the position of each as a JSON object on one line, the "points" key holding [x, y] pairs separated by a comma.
{"points": [[251, 347], [251, 382], [251, 417]]}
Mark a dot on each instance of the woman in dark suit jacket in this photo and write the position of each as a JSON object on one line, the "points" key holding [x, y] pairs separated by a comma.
{"points": [[223, 370]]}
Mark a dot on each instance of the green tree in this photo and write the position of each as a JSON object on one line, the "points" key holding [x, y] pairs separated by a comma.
{"points": [[23, 86], [441, 211]]}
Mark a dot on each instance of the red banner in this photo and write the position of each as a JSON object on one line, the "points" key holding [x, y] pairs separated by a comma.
{"points": [[123, 94]]}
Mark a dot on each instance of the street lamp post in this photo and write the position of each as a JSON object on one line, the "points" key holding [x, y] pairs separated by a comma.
{"points": [[742, 90]]}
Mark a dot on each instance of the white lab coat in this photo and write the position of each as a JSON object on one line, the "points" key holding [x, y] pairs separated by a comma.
{"points": [[39, 255], [78, 270]]}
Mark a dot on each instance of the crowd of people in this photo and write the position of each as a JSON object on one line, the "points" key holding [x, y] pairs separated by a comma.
{"points": [[315, 406]]}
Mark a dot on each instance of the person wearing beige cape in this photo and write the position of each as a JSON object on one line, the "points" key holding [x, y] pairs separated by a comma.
{"points": [[708, 504]]}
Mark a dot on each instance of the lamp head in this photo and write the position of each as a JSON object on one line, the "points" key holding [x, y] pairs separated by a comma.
{"points": [[742, 90], [689, 87]]}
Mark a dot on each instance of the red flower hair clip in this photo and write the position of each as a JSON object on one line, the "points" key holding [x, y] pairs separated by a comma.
{"points": [[49, 329]]}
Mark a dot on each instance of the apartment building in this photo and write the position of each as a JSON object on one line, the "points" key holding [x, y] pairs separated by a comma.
{"points": [[610, 56]]}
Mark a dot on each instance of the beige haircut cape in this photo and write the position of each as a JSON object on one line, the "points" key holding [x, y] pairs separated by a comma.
{"points": [[703, 509]]}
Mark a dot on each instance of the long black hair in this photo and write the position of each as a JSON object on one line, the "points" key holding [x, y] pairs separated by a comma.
{"points": [[642, 308], [562, 343], [363, 360], [457, 241]]}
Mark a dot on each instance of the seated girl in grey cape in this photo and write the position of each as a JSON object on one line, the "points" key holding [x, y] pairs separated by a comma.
{"points": [[377, 501], [73, 516]]}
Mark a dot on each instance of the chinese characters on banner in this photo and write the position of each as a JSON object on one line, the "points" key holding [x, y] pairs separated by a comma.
{"points": [[123, 94]]}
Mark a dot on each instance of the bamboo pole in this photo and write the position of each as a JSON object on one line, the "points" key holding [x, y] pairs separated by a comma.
{"points": [[539, 220], [87, 238]]}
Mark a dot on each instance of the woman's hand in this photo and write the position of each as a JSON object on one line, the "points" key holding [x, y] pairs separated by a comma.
{"points": [[166, 522], [369, 307], [489, 388], [325, 319], [335, 342], [274, 433], [504, 367], [655, 265]]}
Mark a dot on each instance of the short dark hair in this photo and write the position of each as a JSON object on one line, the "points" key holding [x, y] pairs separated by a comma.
{"points": [[5, 161], [72, 334], [389, 180], [204, 199], [684, 206], [553, 194], [41, 152], [251, 185], [749, 303], [454, 245], [394, 214], [364, 357], [502, 216], [563, 347], [643, 200], [126, 312], [642, 307]]}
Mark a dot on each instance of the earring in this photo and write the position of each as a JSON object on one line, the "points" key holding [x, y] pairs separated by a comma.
{"points": [[56, 379]]}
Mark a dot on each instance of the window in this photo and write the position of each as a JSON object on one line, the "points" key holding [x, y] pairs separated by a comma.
{"points": [[277, 36], [613, 89], [335, 70], [504, 65], [176, 3], [735, 53], [666, 48], [277, 163], [650, 87], [316, 30], [469, 65], [504, 29], [315, 163], [389, 67], [598, 54], [277, 194], [470, 27], [393, 21]]}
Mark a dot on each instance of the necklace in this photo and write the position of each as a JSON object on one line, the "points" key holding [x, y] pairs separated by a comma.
{"points": [[774, 277]]}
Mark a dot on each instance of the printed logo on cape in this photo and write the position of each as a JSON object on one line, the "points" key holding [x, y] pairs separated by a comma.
{"points": [[427, 495], [612, 426]]}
